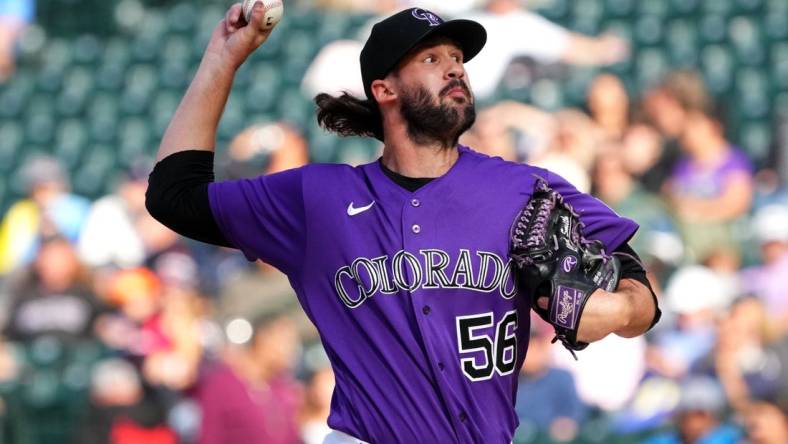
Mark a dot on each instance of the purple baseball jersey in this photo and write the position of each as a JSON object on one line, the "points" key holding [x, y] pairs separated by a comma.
{"points": [[412, 293]]}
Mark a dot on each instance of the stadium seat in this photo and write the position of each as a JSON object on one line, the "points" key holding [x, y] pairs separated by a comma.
{"points": [[619, 8], [134, 140], [87, 49], [77, 85], [779, 66], [682, 43], [713, 28], [182, 18], [648, 30], [744, 34], [717, 66], [103, 113], [91, 177], [15, 94], [12, 135], [70, 138]]}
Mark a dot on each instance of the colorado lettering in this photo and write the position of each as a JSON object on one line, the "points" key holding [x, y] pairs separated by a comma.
{"points": [[428, 269]]}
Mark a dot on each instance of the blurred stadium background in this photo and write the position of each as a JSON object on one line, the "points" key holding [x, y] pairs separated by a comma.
{"points": [[115, 330]]}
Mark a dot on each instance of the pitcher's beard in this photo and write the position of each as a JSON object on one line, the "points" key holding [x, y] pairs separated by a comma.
{"points": [[430, 123]]}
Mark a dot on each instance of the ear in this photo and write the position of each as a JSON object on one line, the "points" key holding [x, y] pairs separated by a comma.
{"points": [[383, 91]]}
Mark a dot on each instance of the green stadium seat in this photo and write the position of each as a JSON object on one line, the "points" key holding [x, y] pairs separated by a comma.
{"points": [[619, 8], [39, 120], [77, 86], [103, 113], [87, 49], [293, 107], [182, 18], [648, 30], [141, 84], [333, 26], [234, 117], [70, 138], [264, 87], [659, 8], [752, 93], [651, 65], [755, 137], [684, 7], [779, 66], [91, 177], [12, 136], [163, 107], [744, 34], [713, 28], [748, 6], [175, 48], [717, 64], [15, 94], [682, 42], [718, 7], [775, 26], [134, 140]]}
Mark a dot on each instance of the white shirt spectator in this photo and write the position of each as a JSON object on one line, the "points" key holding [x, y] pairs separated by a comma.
{"points": [[510, 35]]}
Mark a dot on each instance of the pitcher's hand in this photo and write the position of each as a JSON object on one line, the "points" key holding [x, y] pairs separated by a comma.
{"points": [[233, 39]]}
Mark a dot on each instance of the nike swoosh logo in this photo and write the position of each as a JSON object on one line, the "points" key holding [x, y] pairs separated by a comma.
{"points": [[351, 211]]}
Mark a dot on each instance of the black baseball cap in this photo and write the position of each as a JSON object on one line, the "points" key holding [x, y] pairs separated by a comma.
{"points": [[393, 37]]}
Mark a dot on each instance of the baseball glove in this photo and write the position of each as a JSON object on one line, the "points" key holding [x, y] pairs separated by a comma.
{"points": [[554, 260]]}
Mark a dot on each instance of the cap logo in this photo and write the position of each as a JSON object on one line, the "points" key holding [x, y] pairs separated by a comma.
{"points": [[422, 14]]}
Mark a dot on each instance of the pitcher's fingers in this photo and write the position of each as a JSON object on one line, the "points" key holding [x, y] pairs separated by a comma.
{"points": [[256, 22], [234, 18]]}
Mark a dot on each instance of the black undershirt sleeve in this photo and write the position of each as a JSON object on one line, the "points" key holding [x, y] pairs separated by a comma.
{"points": [[632, 268], [177, 196]]}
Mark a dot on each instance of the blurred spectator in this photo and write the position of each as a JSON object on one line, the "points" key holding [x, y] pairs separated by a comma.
{"points": [[767, 279], [48, 210], [711, 186], [600, 384], [766, 423], [52, 297], [644, 156], [748, 366], [121, 411], [336, 67], [110, 235], [608, 104], [15, 15], [265, 148], [695, 296], [512, 130], [698, 417], [515, 32], [657, 241], [547, 399], [317, 406], [251, 396], [51, 324], [666, 107], [573, 149]]}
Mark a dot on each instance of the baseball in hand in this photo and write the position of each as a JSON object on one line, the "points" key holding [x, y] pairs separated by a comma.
{"points": [[273, 12]]}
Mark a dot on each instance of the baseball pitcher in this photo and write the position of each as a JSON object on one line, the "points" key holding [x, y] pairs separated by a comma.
{"points": [[419, 269]]}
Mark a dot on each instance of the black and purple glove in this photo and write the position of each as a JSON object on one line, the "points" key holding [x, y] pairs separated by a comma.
{"points": [[554, 260]]}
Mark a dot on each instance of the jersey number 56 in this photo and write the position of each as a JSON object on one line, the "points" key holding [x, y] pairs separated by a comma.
{"points": [[490, 354]]}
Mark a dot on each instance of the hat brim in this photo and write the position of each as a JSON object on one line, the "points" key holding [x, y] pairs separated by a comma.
{"points": [[469, 35]]}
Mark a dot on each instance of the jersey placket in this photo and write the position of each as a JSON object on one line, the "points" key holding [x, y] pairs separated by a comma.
{"points": [[418, 234]]}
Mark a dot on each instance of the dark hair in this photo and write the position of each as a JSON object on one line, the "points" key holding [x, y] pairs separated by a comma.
{"points": [[349, 116]]}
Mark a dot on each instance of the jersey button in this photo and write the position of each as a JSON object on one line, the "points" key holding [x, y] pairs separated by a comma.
{"points": [[416, 203], [416, 228], [441, 366], [426, 310], [463, 417]]}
